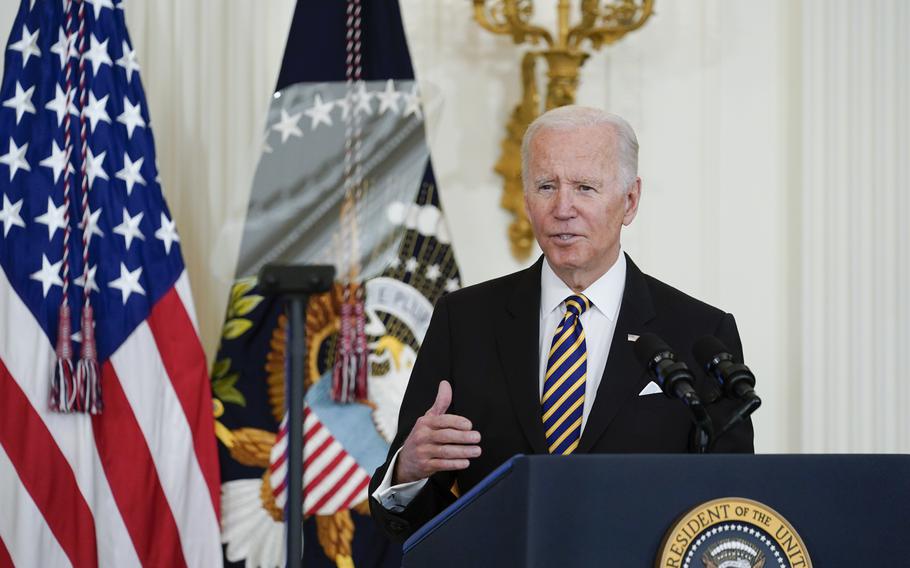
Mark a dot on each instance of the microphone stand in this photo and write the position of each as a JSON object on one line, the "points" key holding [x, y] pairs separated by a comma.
{"points": [[702, 436], [295, 283]]}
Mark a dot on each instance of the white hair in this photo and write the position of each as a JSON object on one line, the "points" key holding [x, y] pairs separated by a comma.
{"points": [[574, 116]]}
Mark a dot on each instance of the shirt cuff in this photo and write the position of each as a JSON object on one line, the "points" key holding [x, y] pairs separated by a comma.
{"points": [[395, 498]]}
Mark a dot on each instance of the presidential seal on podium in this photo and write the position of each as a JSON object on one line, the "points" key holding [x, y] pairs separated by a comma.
{"points": [[732, 533]]}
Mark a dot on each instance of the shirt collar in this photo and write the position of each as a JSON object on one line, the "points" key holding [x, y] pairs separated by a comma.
{"points": [[605, 293]]}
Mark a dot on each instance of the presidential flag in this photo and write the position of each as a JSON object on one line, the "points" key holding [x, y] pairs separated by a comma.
{"points": [[344, 178], [107, 453]]}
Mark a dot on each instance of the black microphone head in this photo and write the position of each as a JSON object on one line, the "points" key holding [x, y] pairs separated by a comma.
{"points": [[709, 348], [648, 346], [673, 377]]}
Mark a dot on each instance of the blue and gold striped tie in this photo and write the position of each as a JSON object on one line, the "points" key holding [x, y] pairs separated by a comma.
{"points": [[564, 386]]}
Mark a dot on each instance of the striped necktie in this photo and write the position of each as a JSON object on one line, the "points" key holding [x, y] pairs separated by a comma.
{"points": [[564, 386]]}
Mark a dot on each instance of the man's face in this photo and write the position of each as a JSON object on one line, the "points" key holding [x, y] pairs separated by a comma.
{"points": [[575, 200]]}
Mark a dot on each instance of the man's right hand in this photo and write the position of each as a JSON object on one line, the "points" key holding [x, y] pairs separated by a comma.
{"points": [[438, 442]]}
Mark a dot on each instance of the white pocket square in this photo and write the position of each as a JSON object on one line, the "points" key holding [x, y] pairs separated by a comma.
{"points": [[650, 388]]}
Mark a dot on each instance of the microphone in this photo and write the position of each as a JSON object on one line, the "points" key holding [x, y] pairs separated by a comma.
{"points": [[673, 377], [736, 380], [676, 380]]}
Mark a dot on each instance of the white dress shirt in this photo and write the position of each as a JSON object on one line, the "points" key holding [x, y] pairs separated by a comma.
{"points": [[599, 323]]}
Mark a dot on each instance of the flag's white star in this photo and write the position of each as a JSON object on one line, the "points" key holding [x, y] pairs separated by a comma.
{"points": [[9, 215], [128, 283], [345, 105], [451, 284], [98, 54], [21, 101], [60, 47], [412, 103], [15, 158], [96, 110], [319, 113], [56, 161], [410, 264], [131, 117], [129, 228], [92, 285], [94, 167], [130, 172], [98, 5], [167, 233], [49, 275], [58, 105], [362, 99], [92, 229], [388, 99], [433, 272], [27, 45], [287, 126], [53, 218], [128, 61]]}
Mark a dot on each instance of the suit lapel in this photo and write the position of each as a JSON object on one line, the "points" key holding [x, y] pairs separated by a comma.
{"points": [[623, 377], [518, 337]]}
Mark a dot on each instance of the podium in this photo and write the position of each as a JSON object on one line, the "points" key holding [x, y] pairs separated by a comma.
{"points": [[617, 510]]}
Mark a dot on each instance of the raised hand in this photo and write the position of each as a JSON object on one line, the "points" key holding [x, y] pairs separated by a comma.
{"points": [[438, 442]]}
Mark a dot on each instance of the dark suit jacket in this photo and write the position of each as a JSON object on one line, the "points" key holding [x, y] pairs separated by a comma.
{"points": [[484, 340]]}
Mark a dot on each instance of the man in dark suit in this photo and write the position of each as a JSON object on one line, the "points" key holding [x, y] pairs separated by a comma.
{"points": [[541, 361]]}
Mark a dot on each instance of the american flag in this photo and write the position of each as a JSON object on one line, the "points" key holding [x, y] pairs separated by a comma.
{"points": [[136, 484]]}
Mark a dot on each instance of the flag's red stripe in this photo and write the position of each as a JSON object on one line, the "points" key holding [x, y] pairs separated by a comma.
{"points": [[317, 452], [283, 432], [338, 485], [281, 459], [134, 481], [6, 560], [325, 471], [350, 500], [279, 489], [185, 363], [312, 431], [46, 474]]}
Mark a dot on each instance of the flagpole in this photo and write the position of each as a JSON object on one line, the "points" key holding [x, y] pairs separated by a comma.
{"points": [[295, 431], [296, 284]]}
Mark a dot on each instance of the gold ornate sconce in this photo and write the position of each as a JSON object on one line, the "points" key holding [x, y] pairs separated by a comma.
{"points": [[599, 22]]}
